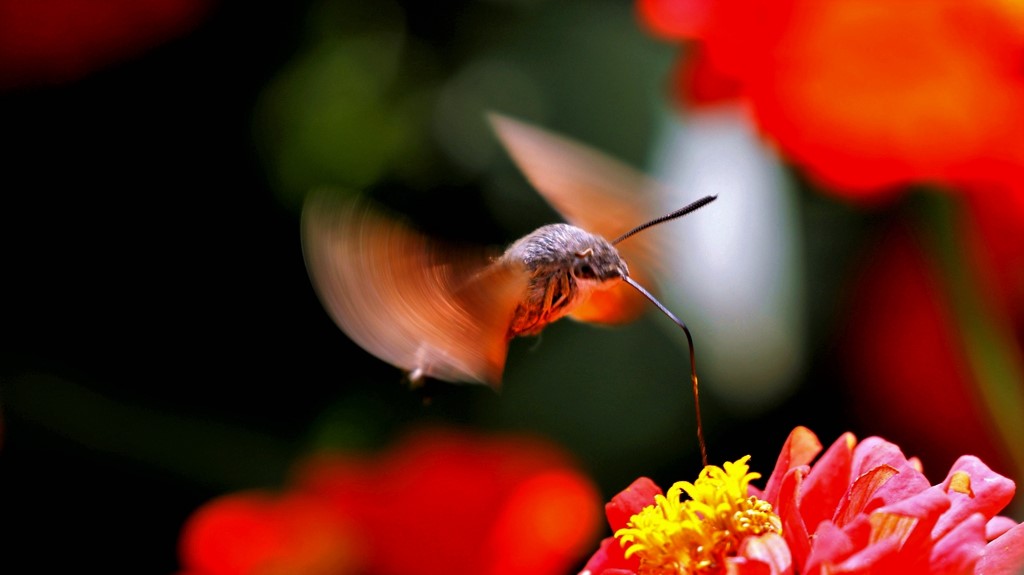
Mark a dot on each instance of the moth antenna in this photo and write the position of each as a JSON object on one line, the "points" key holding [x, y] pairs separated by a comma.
{"points": [[689, 339], [676, 214]]}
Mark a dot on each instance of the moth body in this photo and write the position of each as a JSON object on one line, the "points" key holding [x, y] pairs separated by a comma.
{"points": [[564, 264], [448, 311]]}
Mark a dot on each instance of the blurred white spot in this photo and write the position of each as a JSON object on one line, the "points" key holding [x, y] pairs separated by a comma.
{"points": [[736, 277]]}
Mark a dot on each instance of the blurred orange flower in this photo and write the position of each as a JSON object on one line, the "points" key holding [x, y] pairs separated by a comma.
{"points": [[440, 502], [862, 507], [864, 95]]}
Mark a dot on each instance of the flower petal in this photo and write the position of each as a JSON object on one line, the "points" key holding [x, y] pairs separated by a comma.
{"points": [[1004, 555], [830, 544], [743, 566], [875, 451], [882, 558], [610, 558], [793, 525], [828, 482], [769, 549], [987, 493], [630, 501], [909, 523], [960, 549], [861, 497], [997, 526], [801, 447]]}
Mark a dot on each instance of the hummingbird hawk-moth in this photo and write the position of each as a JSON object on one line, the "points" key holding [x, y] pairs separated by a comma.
{"points": [[448, 311]]}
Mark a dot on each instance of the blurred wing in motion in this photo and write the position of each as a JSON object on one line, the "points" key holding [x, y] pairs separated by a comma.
{"points": [[433, 309], [597, 193]]}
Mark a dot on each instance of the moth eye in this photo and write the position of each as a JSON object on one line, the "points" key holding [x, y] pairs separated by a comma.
{"points": [[585, 271]]}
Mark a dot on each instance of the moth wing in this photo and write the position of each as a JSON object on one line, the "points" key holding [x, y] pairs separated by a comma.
{"points": [[618, 304], [431, 308], [597, 193]]}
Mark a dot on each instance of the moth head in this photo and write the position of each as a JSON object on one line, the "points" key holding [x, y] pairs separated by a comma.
{"points": [[600, 263]]}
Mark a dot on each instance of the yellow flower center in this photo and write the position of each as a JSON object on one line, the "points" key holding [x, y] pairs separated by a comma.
{"points": [[673, 537]]}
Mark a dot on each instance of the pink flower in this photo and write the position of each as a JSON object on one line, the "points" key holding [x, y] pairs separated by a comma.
{"points": [[862, 507]]}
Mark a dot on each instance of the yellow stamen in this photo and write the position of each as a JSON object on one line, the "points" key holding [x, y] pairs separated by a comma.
{"points": [[674, 537]]}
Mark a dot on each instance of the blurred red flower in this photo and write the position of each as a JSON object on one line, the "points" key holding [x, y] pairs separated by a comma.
{"points": [[56, 41], [864, 95], [862, 507], [439, 502], [905, 347], [260, 532]]}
